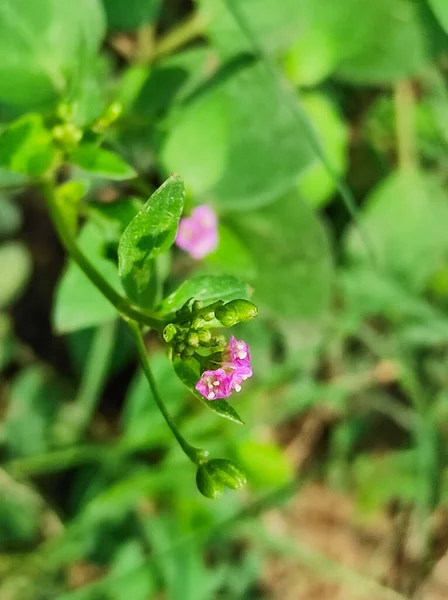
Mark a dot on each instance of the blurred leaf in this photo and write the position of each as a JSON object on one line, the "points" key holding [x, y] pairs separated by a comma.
{"points": [[294, 267], [231, 256], [20, 514], [101, 163], [68, 196], [265, 463], [40, 44], [316, 184], [405, 218], [10, 216], [132, 14], [184, 574], [15, 269], [208, 288], [380, 479], [134, 582], [150, 233], [254, 155], [78, 303], [6, 341], [398, 52], [440, 8], [114, 217], [31, 411], [189, 373], [26, 146], [141, 419]]}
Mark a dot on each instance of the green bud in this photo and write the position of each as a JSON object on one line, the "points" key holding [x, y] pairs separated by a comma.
{"points": [[66, 111], [206, 483], [188, 352], [170, 332], [198, 323], [197, 305], [68, 135], [181, 347], [193, 340], [228, 316], [236, 311], [213, 476], [209, 316], [204, 335], [227, 473]]}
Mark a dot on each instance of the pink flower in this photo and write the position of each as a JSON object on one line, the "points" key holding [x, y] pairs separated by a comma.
{"points": [[215, 384], [235, 368], [198, 234]]}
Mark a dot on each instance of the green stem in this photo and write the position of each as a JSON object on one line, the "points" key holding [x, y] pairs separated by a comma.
{"points": [[196, 455], [121, 303], [187, 31], [404, 119]]}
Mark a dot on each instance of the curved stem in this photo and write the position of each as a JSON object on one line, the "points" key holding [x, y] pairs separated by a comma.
{"points": [[196, 455], [121, 303]]}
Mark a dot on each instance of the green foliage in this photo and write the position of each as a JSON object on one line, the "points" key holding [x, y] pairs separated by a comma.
{"points": [[78, 304], [101, 163], [151, 232], [130, 15], [42, 42], [15, 266], [440, 9], [26, 146], [238, 171]]}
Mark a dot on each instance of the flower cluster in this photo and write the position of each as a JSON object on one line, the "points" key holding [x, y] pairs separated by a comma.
{"points": [[198, 234], [235, 368]]}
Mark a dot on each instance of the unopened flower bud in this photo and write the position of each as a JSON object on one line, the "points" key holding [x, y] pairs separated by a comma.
{"points": [[209, 316], [181, 347], [109, 116], [236, 311], [170, 332], [198, 323], [213, 476], [193, 340], [188, 352], [206, 483], [204, 336], [227, 473], [197, 305], [68, 135]]}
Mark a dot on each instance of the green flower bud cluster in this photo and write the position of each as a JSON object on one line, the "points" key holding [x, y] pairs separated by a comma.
{"points": [[67, 134], [109, 116], [215, 475]]}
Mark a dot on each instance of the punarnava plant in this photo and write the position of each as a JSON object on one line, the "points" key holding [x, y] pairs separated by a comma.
{"points": [[189, 320]]}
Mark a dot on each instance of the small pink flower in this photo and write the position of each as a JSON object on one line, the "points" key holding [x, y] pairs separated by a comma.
{"points": [[215, 384], [198, 234], [235, 368]]}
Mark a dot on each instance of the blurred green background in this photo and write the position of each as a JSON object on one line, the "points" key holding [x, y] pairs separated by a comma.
{"points": [[318, 131]]}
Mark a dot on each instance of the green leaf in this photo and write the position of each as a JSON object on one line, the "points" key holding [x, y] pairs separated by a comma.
{"points": [[248, 157], [113, 218], [317, 185], [189, 373], [10, 216], [78, 303], [149, 234], [405, 218], [15, 269], [294, 267], [265, 463], [440, 8], [20, 514], [27, 147], [125, 16], [102, 163], [231, 256], [208, 288], [30, 413], [41, 42]]}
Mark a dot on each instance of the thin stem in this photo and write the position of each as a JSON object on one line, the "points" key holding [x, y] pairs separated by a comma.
{"points": [[196, 455], [121, 303], [188, 30], [404, 119]]}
